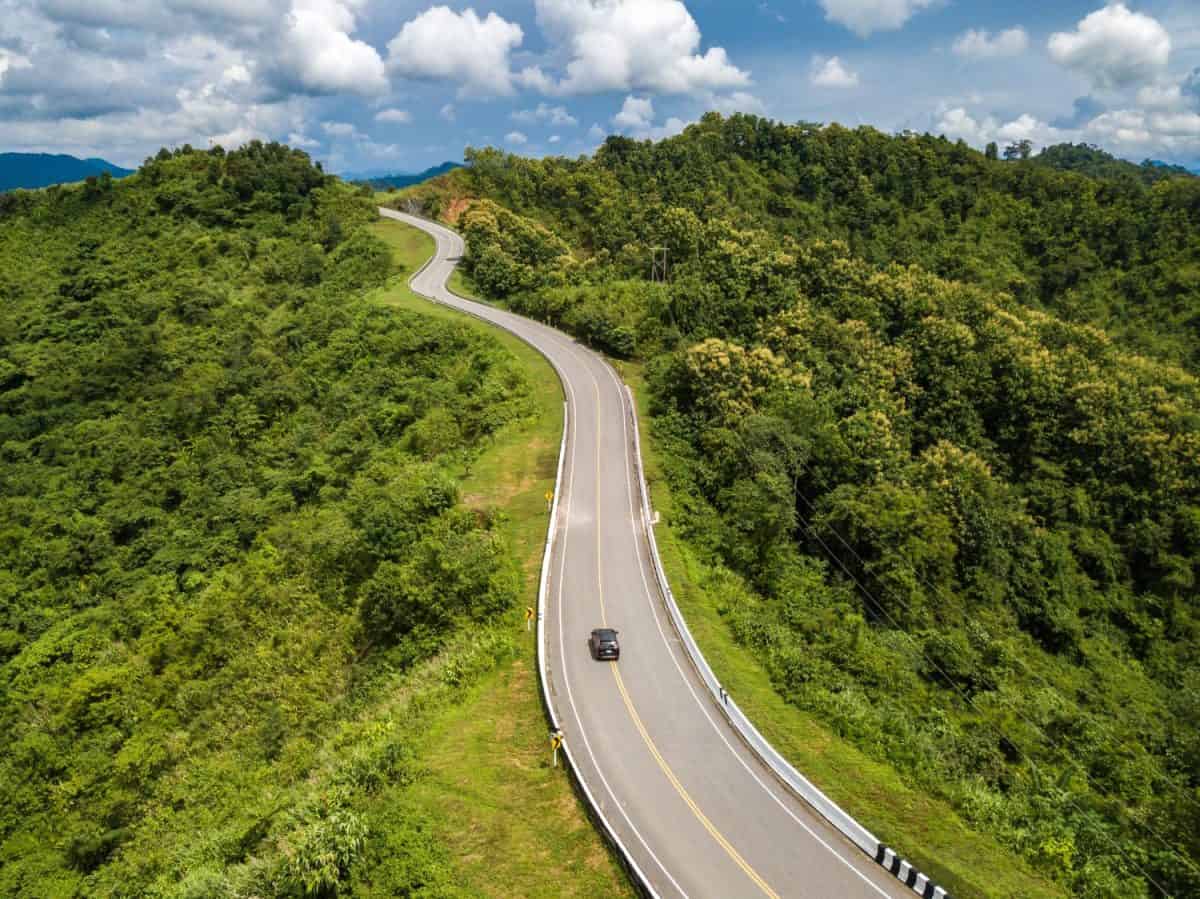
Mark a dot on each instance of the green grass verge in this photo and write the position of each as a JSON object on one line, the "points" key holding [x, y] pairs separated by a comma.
{"points": [[926, 831], [512, 824]]}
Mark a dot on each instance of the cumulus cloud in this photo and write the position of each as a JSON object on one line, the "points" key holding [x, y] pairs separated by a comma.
{"points": [[159, 15], [296, 139], [636, 117], [9, 60], [1161, 95], [671, 127], [1136, 129], [597, 133], [981, 44], [318, 55], [636, 113], [1114, 46], [958, 123], [394, 116], [830, 73], [441, 44], [448, 113], [621, 45], [738, 101], [340, 129], [516, 138], [544, 113], [866, 16]]}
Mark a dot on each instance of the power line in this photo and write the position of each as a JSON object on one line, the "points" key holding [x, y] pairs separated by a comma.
{"points": [[1037, 675], [966, 697]]}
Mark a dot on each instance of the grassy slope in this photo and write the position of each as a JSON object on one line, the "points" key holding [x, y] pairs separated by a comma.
{"points": [[924, 830], [513, 824]]}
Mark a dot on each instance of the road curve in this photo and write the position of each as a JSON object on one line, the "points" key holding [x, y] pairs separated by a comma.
{"points": [[697, 812]]}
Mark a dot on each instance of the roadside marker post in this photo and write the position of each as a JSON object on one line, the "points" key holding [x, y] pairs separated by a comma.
{"points": [[556, 741], [528, 617], [549, 500]]}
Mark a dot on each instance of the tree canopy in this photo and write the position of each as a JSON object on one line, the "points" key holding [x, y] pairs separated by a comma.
{"points": [[229, 521], [931, 418]]}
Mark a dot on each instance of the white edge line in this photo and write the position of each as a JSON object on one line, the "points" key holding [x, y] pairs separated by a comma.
{"points": [[628, 412], [543, 677]]}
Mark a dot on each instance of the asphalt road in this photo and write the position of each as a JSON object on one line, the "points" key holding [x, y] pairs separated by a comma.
{"points": [[699, 813]]}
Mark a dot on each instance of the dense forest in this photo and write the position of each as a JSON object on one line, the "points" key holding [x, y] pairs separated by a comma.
{"points": [[230, 537], [931, 417]]}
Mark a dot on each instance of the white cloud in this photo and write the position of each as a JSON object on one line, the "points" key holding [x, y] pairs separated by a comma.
{"points": [[1176, 124], [958, 123], [516, 138], [636, 117], [534, 79], [448, 113], [830, 73], [554, 115], [738, 101], [865, 16], [554, 138], [236, 74], [1122, 126], [982, 44], [1114, 47], [10, 60], [303, 141], [1162, 95], [636, 114], [340, 129], [597, 133], [394, 116], [318, 54], [622, 45], [669, 128], [441, 44]]}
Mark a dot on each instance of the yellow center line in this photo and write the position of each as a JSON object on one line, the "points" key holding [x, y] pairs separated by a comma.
{"points": [[683, 793], [637, 721], [599, 567]]}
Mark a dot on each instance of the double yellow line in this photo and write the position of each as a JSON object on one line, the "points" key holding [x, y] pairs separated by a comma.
{"points": [[637, 720]]}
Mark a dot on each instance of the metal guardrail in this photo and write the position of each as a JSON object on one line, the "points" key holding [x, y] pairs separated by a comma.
{"points": [[779, 766]]}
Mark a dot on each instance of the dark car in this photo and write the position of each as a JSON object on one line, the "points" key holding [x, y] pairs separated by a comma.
{"points": [[603, 643]]}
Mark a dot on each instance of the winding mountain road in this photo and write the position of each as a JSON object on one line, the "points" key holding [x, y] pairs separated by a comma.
{"points": [[696, 811]]}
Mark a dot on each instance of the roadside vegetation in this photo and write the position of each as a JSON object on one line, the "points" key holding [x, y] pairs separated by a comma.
{"points": [[930, 432], [248, 587]]}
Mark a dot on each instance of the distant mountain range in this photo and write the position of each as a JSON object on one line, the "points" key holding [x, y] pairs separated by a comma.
{"points": [[381, 181], [31, 170]]}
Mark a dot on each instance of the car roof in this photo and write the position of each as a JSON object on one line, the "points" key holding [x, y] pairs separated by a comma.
{"points": [[604, 632]]}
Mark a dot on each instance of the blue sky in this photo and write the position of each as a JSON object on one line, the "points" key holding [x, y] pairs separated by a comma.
{"points": [[369, 85]]}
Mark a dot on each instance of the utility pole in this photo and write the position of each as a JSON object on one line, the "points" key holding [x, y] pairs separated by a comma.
{"points": [[659, 272]]}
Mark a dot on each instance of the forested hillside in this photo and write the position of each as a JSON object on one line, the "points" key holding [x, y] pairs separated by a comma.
{"points": [[230, 537], [954, 517], [1119, 253]]}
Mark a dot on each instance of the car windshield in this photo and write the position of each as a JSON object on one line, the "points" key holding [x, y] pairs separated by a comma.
{"points": [[606, 636]]}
